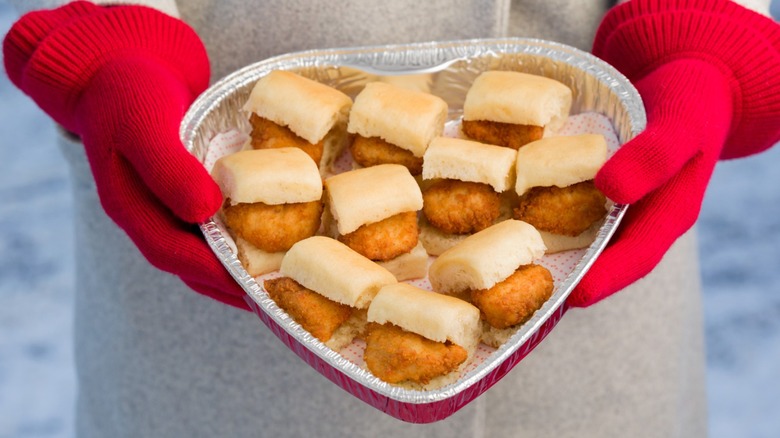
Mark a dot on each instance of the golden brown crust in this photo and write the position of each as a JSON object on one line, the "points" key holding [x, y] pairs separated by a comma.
{"points": [[273, 228], [566, 210], [373, 150], [315, 313], [395, 355], [514, 300], [386, 239], [460, 207], [267, 134], [502, 134]]}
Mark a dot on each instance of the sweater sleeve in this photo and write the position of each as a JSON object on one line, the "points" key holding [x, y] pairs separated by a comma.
{"points": [[24, 6]]}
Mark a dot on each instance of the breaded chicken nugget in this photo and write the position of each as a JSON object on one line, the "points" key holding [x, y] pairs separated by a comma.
{"points": [[502, 134], [386, 239], [514, 300], [395, 355], [460, 207], [273, 228], [567, 211], [373, 150], [315, 313], [267, 134]]}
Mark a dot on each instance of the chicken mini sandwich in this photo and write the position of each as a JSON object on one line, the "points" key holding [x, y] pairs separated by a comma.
{"points": [[326, 288], [289, 110], [394, 125], [272, 199], [497, 271], [466, 188], [373, 210], [419, 339], [557, 194], [511, 109]]}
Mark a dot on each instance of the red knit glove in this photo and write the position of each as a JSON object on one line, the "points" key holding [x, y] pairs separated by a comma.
{"points": [[122, 78], [709, 75]]}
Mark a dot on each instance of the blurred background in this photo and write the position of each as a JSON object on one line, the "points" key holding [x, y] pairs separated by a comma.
{"points": [[739, 235]]}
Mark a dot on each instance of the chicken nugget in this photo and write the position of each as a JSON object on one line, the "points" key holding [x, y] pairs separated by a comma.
{"points": [[373, 150], [502, 134], [567, 211], [267, 134], [273, 228], [395, 355], [460, 207], [386, 239], [314, 312], [514, 300]]}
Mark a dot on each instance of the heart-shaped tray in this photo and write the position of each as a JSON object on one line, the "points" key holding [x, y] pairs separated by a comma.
{"points": [[601, 95]]}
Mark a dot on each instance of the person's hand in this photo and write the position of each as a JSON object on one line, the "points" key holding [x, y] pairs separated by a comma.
{"points": [[709, 76], [122, 78]]}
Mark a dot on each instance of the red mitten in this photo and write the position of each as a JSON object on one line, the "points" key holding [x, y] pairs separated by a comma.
{"points": [[709, 75], [122, 78]]}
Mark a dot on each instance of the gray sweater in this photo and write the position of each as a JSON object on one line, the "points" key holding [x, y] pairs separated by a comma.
{"points": [[155, 359]]}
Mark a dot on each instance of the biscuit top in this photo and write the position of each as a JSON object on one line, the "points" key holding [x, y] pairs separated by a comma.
{"points": [[472, 161], [486, 257], [405, 118], [309, 108], [371, 194], [432, 315], [518, 98], [559, 161], [270, 176], [335, 271]]}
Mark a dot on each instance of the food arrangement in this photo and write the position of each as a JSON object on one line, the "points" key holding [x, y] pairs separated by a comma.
{"points": [[603, 102], [474, 205]]}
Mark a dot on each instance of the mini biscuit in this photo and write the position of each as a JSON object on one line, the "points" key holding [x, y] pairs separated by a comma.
{"points": [[487, 257], [518, 98], [335, 271], [559, 161], [405, 118], [435, 316], [270, 176], [468, 160], [309, 108], [368, 195]]}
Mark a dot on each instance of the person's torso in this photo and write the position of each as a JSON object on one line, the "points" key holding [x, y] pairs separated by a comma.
{"points": [[238, 33]]}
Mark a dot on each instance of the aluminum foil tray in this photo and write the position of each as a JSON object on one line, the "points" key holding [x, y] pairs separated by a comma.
{"points": [[446, 69]]}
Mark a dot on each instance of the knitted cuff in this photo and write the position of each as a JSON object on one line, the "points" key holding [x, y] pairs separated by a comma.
{"points": [[54, 65], [639, 36]]}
